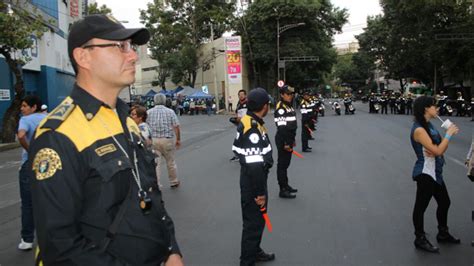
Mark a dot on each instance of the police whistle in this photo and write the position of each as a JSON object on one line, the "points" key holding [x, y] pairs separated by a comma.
{"points": [[263, 210]]}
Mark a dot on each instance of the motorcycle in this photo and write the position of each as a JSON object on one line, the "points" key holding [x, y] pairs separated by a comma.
{"points": [[336, 107], [448, 108], [349, 107], [321, 109], [377, 108]]}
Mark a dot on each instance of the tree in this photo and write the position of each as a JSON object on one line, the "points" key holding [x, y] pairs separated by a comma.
{"points": [[17, 27], [95, 9], [178, 29], [258, 27], [403, 39], [353, 69]]}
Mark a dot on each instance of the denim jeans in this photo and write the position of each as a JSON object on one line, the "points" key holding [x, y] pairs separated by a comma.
{"points": [[27, 222]]}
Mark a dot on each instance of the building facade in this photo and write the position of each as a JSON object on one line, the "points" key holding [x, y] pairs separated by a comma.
{"points": [[49, 74]]}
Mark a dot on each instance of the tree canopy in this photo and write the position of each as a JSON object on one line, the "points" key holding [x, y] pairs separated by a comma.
{"points": [[178, 28], [95, 9], [258, 26], [404, 39], [17, 27]]}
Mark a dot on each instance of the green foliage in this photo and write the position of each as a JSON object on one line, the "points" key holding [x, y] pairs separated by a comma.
{"points": [[17, 27], [95, 9], [258, 26], [403, 40], [179, 28]]}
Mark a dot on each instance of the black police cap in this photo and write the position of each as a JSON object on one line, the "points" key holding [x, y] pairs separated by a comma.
{"points": [[257, 98], [103, 27], [287, 89]]}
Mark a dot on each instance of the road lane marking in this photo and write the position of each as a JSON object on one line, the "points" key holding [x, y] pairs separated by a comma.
{"points": [[10, 164]]}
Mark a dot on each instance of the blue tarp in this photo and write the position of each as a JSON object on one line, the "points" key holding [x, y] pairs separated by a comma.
{"points": [[150, 93], [200, 95], [166, 93]]}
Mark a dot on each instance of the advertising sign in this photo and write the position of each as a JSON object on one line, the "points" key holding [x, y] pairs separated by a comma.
{"points": [[234, 70]]}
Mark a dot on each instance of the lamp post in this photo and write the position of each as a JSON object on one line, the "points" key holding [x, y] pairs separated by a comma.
{"points": [[280, 30], [214, 70]]}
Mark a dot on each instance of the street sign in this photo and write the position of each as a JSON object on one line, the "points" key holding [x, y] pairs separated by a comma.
{"points": [[281, 83], [281, 64]]}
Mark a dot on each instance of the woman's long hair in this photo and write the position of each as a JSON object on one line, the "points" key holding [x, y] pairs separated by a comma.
{"points": [[419, 106]]}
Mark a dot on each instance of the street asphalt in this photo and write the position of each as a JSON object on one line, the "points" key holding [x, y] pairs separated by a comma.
{"points": [[353, 207]]}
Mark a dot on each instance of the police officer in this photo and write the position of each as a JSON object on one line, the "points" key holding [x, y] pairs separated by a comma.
{"points": [[285, 120], [391, 102], [306, 112], [96, 200], [372, 102], [254, 150], [409, 104], [384, 103]]}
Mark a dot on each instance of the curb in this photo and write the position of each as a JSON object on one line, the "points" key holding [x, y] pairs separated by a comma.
{"points": [[9, 146]]}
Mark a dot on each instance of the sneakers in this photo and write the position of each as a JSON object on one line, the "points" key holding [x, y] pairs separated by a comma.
{"points": [[176, 185], [25, 245]]}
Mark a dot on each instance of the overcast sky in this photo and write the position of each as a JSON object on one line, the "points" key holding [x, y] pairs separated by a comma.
{"points": [[358, 12]]}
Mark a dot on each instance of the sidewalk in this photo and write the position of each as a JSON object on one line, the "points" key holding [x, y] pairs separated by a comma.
{"points": [[9, 146]]}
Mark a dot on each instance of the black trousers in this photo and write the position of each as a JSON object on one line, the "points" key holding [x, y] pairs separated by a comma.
{"points": [[426, 188], [253, 226], [409, 110], [392, 109], [384, 109], [305, 134], [284, 159]]}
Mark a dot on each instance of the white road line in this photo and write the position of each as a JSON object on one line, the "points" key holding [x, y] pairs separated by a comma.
{"points": [[456, 161]]}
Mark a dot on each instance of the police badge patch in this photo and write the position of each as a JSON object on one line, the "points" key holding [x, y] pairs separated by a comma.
{"points": [[46, 163]]}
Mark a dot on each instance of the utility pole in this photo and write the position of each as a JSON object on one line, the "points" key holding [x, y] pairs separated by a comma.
{"points": [[216, 92]]}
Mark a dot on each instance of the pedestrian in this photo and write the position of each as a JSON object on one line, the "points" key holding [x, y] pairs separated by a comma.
{"points": [[230, 104], [95, 196], [254, 150], [285, 120], [139, 115], [44, 109], [208, 107], [192, 107], [429, 148], [240, 111], [392, 101], [32, 115], [166, 136]]}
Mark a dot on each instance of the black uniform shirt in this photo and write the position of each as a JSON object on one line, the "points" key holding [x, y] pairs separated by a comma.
{"points": [[82, 176], [285, 120], [306, 109], [241, 108], [254, 150]]}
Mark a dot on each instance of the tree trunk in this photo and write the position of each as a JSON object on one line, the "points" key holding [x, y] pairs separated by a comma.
{"points": [[12, 115]]}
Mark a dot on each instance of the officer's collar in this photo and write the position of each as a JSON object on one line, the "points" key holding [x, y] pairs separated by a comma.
{"points": [[91, 105], [254, 116]]}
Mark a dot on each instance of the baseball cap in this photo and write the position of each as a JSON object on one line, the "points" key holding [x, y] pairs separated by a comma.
{"points": [[257, 98], [103, 27]]}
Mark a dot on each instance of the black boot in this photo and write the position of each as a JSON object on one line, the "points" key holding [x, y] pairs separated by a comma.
{"points": [[445, 237], [422, 243], [262, 256], [285, 193], [292, 190]]}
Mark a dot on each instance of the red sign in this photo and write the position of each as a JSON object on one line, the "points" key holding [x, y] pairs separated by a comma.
{"points": [[233, 62], [74, 10], [281, 83]]}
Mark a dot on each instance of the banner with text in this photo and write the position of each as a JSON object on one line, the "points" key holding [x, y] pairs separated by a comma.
{"points": [[233, 49]]}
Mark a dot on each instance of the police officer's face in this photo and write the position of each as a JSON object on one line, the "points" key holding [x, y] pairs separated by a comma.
{"points": [[113, 65], [287, 97]]}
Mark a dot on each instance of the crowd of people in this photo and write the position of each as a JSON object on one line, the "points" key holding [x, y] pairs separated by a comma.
{"points": [[90, 173], [403, 104], [187, 106]]}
